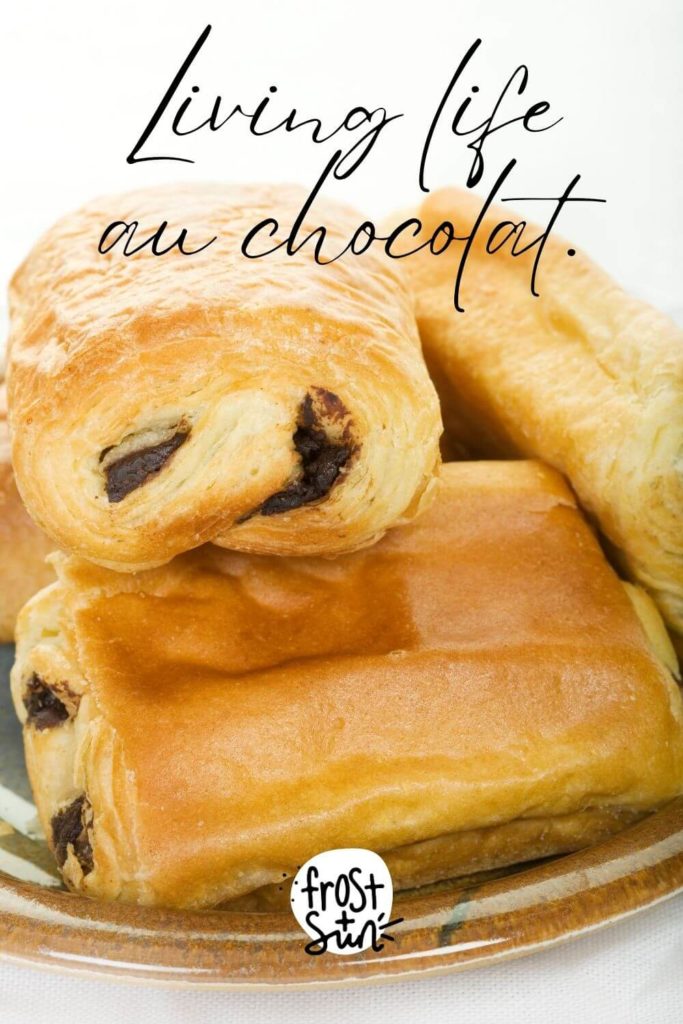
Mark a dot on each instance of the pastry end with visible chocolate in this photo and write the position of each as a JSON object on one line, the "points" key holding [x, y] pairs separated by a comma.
{"points": [[131, 471], [322, 457], [44, 708], [71, 828]]}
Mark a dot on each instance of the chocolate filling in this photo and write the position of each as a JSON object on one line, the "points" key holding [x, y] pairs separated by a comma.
{"points": [[43, 707], [133, 470], [322, 459], [70, 829]]}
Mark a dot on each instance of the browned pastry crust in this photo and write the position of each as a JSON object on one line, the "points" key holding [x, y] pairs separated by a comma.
{"points": [[474, 854], [269, 405], [584, 377], [23, 547], [476, 689]]}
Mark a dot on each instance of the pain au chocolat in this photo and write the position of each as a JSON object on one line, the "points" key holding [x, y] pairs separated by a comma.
{"points": [[584, 377], [477, 689], [23, 547], [271, 405]]}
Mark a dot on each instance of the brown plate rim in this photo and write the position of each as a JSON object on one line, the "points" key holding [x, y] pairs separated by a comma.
{"points": [[442, 930]]}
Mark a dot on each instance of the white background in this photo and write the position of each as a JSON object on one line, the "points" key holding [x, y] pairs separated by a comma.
{"points": [[79, 81]]}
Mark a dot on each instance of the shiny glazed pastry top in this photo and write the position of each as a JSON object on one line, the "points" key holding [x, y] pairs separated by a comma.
{"points": [[585, 377], [477, 689], [269, 405]]}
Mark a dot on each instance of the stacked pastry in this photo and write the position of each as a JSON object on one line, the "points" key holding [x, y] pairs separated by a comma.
{"points": [[273, 406], [466, 684]]}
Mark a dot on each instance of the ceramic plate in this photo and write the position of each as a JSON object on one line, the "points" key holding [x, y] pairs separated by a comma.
{"points": [[448, 927]]}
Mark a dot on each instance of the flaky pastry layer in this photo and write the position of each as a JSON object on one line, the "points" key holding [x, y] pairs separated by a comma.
{"points": [[585, 377], [269, 405]]}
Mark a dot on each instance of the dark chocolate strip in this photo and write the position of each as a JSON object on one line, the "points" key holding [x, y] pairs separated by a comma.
{"points": [[133, 470], [44, 709], [321, 463], [70, 829]]}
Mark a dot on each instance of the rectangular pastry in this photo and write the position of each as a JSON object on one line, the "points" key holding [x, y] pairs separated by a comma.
{"points": [[477, 689], [158, 402], [584, 376]]}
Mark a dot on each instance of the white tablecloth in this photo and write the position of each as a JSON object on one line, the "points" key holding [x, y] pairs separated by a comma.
{"points": [[630, 973]]}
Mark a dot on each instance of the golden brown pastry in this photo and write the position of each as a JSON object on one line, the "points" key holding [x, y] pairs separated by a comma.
{"points": [[585, 377], [268, 405], [475, 690], [23, 547]]}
